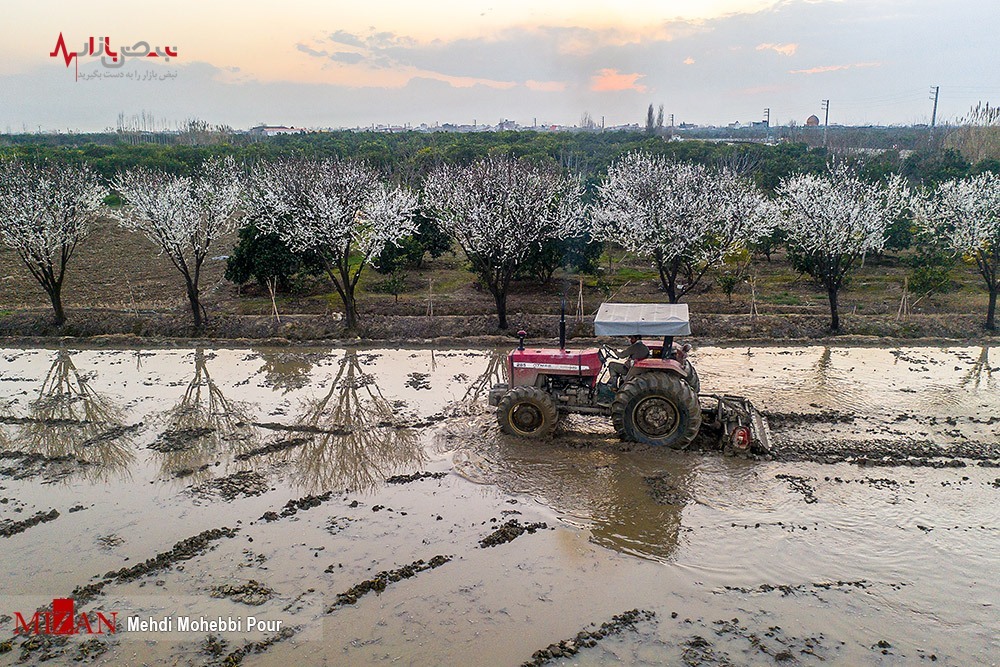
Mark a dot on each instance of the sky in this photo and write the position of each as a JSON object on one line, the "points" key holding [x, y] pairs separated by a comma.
{"points": [[318, 64]]}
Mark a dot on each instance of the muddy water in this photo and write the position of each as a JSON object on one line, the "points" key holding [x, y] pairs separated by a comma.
{"points": [[870, 537]]}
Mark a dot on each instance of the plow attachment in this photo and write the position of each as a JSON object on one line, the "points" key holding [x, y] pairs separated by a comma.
{"points": [[738, 425]]}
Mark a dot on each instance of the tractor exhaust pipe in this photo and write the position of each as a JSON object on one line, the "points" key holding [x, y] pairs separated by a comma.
{"points": [[562, 325]]}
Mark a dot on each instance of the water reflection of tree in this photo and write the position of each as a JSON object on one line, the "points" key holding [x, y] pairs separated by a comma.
{"points": [[495, 372], [70, 419], [285, 370], [202, 423], [357, 436], [980, 373], [824, 380]]}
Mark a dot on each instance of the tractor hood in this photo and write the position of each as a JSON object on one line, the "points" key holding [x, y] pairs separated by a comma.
{"points": [[642, 319]]}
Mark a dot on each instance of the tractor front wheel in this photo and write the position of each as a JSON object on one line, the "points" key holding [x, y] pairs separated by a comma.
{"points": [[527, 412], [657, 409]]}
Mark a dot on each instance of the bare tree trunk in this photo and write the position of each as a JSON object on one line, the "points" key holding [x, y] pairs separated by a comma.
{"points": [[55, 296], [500, 297], [668, 278], [192, 292], [834, 315], [350, 308], [991, 311]]}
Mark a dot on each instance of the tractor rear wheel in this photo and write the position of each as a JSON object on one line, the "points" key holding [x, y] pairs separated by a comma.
{"points": [[527, 412], [693, 379], [657, 409]]}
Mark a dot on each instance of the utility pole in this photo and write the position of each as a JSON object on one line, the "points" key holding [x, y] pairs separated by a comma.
{"points": [[671, 120], [826, 122], [935, 90], [767, 117]]}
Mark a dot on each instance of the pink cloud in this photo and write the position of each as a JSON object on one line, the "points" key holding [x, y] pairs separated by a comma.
{"points": [[689, 61], [833, 68], [609, 80], [784, 49]]}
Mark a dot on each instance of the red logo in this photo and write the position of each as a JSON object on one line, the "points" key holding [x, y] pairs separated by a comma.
{"points": [[63, 620], [100, 47]]}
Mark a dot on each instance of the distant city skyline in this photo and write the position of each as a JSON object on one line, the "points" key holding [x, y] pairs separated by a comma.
{"points": [[337, 64]]}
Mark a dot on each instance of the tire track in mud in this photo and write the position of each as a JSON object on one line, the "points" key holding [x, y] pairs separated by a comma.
{"points": [[826, 441]]}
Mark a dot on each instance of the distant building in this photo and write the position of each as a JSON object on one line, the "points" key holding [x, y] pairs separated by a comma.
{"points": [[275, 130], [812, 121]]}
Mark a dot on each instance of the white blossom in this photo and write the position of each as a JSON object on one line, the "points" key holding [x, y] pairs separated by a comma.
{"points": [[45, 210], [684, 216], [838, 212], [341, 209], [500, 209], [835, 218], [964, 215], [182, 215]]}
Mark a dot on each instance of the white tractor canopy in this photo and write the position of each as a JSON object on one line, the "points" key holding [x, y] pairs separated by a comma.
{"points": [[642, 319]]}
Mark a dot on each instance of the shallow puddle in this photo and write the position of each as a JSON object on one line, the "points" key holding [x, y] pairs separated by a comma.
{"points": [[870, 537]]}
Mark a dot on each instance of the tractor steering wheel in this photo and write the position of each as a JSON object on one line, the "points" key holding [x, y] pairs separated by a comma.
{"points": [[607, 353]]}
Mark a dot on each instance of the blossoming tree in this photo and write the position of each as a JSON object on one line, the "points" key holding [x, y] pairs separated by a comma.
{"points": [[965, 215], [184, 216], [46, 209], [833, 219], [499, 209], [344, 211], [685, 217]]}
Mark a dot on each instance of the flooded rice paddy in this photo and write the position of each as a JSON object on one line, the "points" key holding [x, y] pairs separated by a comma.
{"points": [[359, 506]]}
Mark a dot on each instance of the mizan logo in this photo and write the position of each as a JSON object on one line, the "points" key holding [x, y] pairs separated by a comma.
{"points": [[63, 620]]}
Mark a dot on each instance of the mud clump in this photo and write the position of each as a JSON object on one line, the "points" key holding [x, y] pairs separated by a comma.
{"points": [[418, 381], [779, 420], [800, 485], [663, 492], [771, 641], [241, 484], [252, 593], [417, 476], [380, 581], [271, 448], [43, 647], [92, 648], [236, 657], [292, 507], [509, 532], [24, 465], [8, 528], [187, 472], [183, 550], [588, 638], [787, 589], [111, 435], [214, 646], [888, 452], [180, 440]]}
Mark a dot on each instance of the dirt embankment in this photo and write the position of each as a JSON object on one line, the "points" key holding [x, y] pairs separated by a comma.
{"points": [[116, 328]]}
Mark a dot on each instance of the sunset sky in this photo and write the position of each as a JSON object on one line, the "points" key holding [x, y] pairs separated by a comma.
{"points": [[338, 64]]}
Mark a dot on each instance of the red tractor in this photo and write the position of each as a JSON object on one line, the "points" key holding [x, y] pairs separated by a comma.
{"points": [[658, 401]]}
